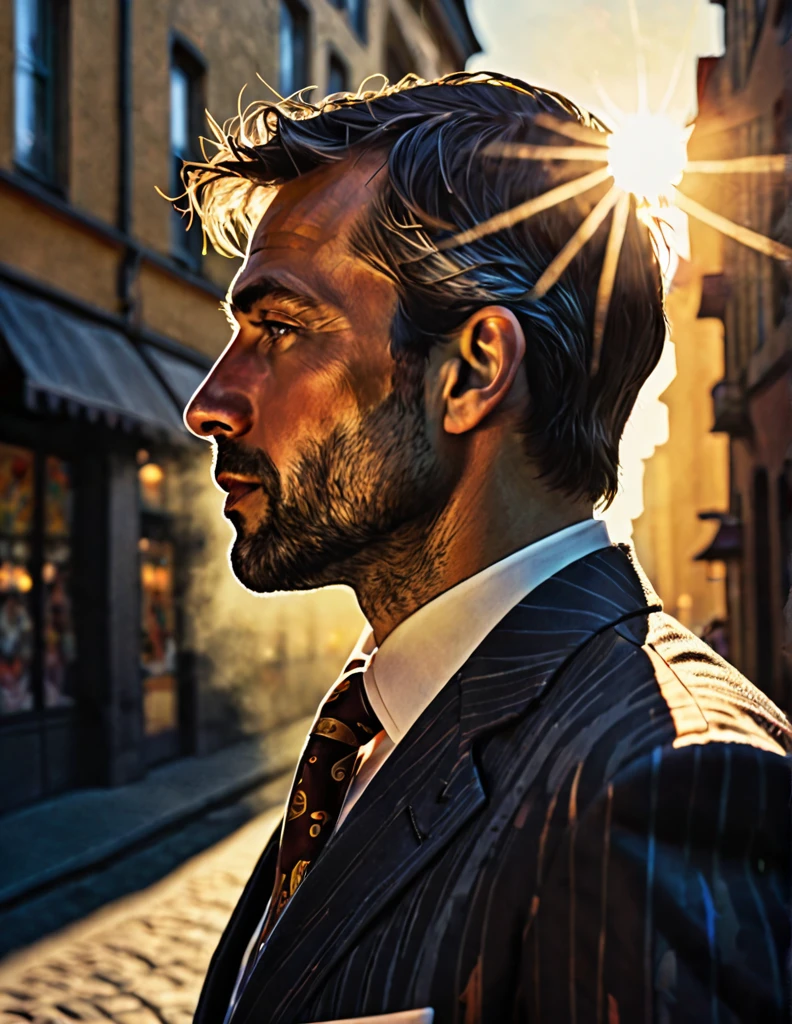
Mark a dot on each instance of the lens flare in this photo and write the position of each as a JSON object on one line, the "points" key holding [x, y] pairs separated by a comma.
{"points": [[648, 155]]}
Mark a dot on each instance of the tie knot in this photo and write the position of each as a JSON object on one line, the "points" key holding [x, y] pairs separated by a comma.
{"points": [[346, 715]]}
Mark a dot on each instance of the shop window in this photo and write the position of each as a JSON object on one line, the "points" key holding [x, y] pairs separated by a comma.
{"points": [[158, 645], [293, 47], [186, 105], [337, 76], [37, 645], [40, 87]]}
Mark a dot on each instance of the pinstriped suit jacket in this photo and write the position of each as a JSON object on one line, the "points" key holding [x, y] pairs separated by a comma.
{"points": [[590, 823]]}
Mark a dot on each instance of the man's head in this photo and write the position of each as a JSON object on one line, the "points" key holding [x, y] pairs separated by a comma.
{"points": [[372, 368]]}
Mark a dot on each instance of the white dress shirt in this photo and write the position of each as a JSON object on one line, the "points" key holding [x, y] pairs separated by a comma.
{"points": [[416, 660]]}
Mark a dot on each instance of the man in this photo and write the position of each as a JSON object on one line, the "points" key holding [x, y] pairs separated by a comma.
{"points": [[531, 796]]}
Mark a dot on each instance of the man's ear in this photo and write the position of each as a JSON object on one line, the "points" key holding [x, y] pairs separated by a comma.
{"points": [[478, 376]]}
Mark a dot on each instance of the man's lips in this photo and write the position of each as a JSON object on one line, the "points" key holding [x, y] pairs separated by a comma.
{"points": [[237, 488]]}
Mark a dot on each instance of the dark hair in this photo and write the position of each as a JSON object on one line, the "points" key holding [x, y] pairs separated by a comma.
{"points": [[441, 182]]}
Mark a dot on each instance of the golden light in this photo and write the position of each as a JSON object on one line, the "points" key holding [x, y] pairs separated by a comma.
{"points": [[23, 581], [161, 577], [647, 155], [151, 475]]}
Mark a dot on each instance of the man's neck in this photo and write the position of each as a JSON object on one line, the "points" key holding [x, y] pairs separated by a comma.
{"points": [[479, 526]]}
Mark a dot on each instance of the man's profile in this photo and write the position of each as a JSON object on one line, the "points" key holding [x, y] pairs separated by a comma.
{"points": [[531, 795]]}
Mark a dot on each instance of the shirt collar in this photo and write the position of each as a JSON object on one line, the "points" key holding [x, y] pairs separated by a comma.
{"points": [[416, 660]]}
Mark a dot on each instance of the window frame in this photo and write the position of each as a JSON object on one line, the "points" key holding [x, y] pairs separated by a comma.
{"points": [[186, 246], [56, 71], [397, 52], [358, 19], [334, 59], [300, 15]]}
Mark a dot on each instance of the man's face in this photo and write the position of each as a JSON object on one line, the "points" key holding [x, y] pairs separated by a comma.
{"points": [[322, 459]]}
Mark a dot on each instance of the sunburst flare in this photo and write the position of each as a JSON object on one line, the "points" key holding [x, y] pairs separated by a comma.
{"points": [[645, 157]]}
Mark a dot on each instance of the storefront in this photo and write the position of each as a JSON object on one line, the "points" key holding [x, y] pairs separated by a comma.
{"points": [[93, 685]]}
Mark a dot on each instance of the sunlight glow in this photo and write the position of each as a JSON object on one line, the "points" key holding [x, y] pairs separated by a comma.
{"points": [[558, 265], [608, 276], [647, 155]]}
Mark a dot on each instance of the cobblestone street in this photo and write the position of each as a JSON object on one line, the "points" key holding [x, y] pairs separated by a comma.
{"points": [[143, 959]]}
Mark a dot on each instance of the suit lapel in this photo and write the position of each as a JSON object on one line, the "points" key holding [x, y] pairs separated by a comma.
{"points": [[403, 818], [430, 788]]}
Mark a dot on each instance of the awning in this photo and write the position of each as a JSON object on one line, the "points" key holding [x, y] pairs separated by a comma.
{"points": [[71, 364], [182, 378], [727, 542]]}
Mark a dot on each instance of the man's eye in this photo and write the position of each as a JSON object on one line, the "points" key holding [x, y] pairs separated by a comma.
{"points": [[275, 329]]}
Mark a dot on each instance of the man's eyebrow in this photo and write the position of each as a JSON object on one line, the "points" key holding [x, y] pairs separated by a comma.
{"points": [[244, 300]]}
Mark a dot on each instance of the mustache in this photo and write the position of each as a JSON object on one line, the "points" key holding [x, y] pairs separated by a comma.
{"points": [[233, 457]]}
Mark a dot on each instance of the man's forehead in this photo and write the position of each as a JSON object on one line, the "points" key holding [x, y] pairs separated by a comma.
{"points": [[317, 208]]}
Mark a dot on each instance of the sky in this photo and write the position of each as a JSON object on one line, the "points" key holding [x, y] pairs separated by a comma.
{"points": [[579, 47]]}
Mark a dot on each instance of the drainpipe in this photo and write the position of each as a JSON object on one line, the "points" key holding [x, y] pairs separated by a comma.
{"points": [[131, 258]]}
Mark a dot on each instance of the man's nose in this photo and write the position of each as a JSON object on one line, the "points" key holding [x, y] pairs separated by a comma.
{"points": [[219, 410]]}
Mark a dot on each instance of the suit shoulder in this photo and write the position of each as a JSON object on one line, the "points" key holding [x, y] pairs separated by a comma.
{"points": [[707, 699], [644, 684]]}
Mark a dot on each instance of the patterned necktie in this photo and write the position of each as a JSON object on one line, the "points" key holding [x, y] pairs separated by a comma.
{"points": [[345, 723]]}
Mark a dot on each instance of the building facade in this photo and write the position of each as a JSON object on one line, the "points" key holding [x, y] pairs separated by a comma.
{"points": [[689, 472], [124, 640], [745, 109]]}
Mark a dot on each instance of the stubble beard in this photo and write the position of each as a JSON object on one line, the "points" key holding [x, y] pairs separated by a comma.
{"points": [[358, 508]]}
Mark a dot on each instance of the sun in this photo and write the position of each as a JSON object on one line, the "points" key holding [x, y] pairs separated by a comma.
{"points": [[647, 155]]}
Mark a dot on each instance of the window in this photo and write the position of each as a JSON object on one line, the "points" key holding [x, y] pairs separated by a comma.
{"points": [[158, 646], [356, 12], [357, 16], [398, 62], [337, 77], [293, 47], [39, 87], [186, 103], [37, 645], [783, 20], [760, 9]]}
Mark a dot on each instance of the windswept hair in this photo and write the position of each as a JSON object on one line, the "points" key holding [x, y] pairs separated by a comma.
{"points": [[436, 182]]}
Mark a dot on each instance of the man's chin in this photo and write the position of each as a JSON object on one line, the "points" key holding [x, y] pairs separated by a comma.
{"points": [[250, 565], [255, 563]]}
